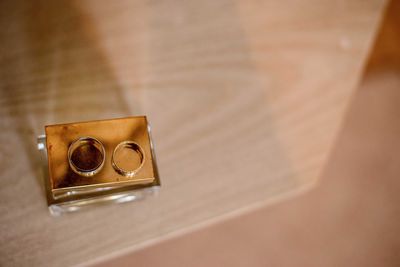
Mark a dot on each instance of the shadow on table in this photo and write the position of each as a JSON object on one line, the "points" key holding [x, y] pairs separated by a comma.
{"points": [[53, 71]]}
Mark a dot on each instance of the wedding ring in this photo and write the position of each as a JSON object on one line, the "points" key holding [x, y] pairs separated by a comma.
{"points": [[86, 156], [127, 158]]}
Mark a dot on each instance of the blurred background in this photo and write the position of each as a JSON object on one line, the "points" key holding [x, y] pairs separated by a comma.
{"points": [[276, 127]]}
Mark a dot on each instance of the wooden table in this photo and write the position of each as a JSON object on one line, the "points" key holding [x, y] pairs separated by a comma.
{"points": [[350, 218], [245, 99]]}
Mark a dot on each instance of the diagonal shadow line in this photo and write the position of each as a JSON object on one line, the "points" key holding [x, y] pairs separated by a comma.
{"points": [[56, 71]]}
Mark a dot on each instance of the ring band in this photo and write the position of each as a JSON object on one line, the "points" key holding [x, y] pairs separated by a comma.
{"points": [[86, 156], [132, 146]]}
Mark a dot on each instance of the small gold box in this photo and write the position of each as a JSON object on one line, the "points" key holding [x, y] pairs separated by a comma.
{"points": [[98, 161]]}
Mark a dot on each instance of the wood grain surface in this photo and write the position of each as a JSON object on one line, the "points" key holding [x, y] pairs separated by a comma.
{"points": [[244, 97], [351, 218]]}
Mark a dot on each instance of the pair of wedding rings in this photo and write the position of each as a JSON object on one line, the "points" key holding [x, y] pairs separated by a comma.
{"points": [[87, 155]]}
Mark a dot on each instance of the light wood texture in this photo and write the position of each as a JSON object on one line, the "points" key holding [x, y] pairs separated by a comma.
{"points": [[244, 97], [350, 219]]}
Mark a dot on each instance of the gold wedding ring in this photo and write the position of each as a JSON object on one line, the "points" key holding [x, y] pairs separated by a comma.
{"points": [[127, 158], [86, 156]]}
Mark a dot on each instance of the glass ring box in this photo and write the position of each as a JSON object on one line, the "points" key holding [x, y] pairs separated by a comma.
{"points": [[94, 162]]}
